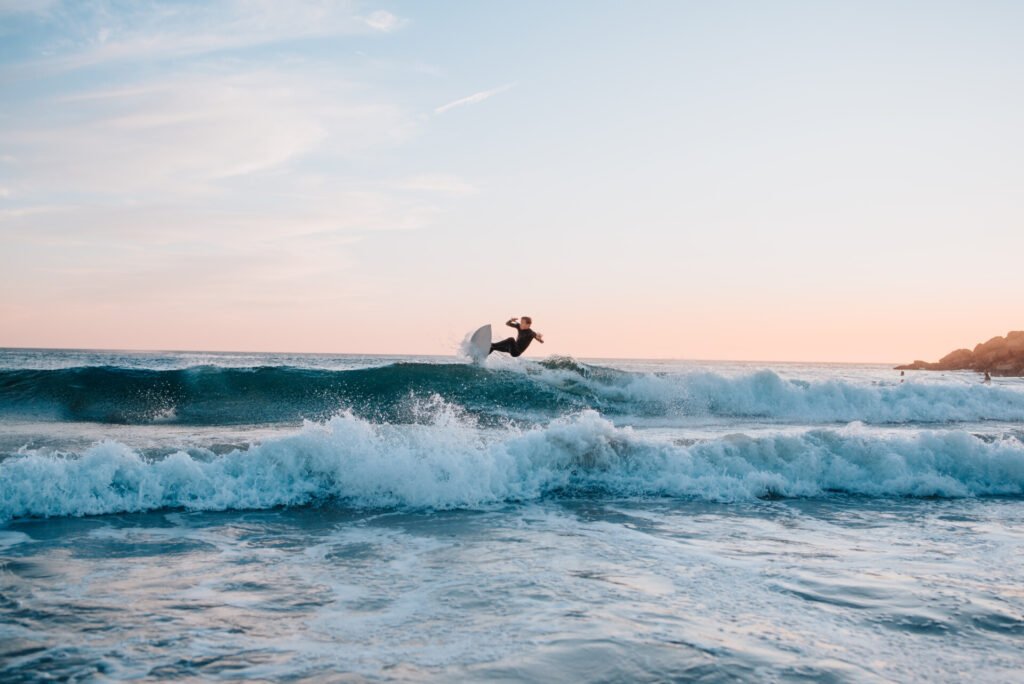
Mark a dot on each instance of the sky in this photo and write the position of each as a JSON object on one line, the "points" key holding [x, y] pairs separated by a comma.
{"points": [[661, 179]]}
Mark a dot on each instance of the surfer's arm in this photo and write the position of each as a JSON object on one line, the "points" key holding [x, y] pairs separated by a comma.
{"points": [[512, 323], [539, 338]]}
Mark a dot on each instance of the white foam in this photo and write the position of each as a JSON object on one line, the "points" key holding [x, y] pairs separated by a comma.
{"points": [[9, 538], [766, 394], [451, 463]]}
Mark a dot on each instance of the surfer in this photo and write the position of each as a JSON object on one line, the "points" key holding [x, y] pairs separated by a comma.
{"points": [[515, 346]]}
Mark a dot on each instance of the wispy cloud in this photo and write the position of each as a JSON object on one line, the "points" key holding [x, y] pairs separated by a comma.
{"points": [[383, 21], [475, 98], [99, 32], [187, 132]]}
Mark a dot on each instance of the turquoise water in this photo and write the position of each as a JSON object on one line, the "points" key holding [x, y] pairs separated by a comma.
{"points": [[288, 517]]}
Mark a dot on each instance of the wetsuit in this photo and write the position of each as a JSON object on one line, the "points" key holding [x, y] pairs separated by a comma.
{"points": [[515, 346]]}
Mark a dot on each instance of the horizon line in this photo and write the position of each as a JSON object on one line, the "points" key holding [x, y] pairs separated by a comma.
{"points": [[398, 354]]}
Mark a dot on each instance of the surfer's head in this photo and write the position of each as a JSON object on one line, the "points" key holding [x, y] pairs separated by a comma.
{"points": [[525, 321]]}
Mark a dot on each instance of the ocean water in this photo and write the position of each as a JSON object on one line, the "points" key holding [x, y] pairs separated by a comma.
{"points": [[357, 518]]}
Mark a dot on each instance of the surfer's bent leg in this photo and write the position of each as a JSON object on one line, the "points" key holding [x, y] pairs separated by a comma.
{"points": [[507, 345]]}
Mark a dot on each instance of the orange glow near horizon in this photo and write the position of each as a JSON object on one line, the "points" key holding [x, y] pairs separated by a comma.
{"points": [[637, 333]]}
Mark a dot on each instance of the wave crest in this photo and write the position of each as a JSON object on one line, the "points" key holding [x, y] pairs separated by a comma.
{"points": [[210, 395], [451, 463]]}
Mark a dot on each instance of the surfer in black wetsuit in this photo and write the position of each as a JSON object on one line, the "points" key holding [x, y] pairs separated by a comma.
{"points": [[518, 344]]}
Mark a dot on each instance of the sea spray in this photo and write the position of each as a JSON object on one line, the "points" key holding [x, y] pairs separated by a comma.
{"points": [[451, 463]]}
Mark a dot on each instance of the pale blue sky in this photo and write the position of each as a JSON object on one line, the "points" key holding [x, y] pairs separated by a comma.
{"points": [[774, 180]]}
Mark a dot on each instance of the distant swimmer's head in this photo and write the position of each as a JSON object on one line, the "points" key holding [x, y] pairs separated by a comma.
{"points": [[525, 321]]}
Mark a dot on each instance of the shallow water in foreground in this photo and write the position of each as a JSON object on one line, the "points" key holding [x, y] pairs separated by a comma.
{"points": [[837, 590], [172, 517]]}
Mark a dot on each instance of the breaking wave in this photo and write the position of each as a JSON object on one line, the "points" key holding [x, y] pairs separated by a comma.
{"points": [[451, 463]]}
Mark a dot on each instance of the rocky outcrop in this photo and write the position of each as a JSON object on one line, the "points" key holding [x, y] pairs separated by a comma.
{"points": [[998, 356]]}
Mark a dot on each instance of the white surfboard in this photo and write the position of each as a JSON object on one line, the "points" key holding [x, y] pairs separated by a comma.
{"points": [[479, 345]]}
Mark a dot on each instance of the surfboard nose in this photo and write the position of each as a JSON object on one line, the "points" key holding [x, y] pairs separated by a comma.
{"points": [[480, 344]]}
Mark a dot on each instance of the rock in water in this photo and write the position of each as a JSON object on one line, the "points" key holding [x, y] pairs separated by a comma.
{"points": [[998, 356]]}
